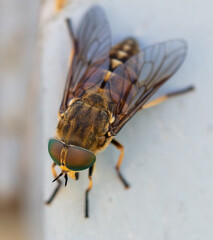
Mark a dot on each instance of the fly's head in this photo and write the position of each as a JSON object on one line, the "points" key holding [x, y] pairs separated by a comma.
{"points": [[70, 157]]}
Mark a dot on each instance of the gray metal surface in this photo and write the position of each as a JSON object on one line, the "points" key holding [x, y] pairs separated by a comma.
{"points": [[168, 148]]}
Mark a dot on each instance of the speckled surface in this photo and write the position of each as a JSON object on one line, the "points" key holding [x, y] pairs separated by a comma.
{"points": [[168, 148]]}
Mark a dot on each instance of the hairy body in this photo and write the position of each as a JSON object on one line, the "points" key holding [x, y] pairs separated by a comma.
{"points": [[106, 86], [86, 121]]}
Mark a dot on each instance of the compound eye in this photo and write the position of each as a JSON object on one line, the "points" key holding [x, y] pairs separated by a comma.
{"points": [[55, 147], [78, 158]]}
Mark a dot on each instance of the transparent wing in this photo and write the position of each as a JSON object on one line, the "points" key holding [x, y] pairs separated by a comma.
{"points": [[91, 48], [132, 84]]}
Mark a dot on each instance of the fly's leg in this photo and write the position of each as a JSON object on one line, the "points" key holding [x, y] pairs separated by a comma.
{"points": [[120, 160], [70, 29], [167, 96], [91, 170], [58, 186], [73, 175], [76, 176]]}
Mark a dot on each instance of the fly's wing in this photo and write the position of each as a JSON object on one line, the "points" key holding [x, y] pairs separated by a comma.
{"points": [[90, 52], [132, 84]]}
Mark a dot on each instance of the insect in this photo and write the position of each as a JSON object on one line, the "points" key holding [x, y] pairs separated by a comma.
{"points": [[105, 87]]}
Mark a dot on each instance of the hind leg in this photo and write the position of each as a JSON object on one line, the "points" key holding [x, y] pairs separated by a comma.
{"points": [[167, 96]]}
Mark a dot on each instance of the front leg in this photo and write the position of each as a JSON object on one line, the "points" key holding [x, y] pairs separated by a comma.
{"points": [[120, 160], [58, 186], [91, 170]]}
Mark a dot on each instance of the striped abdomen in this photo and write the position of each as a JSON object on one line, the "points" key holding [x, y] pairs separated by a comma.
{"points": [[121, 52]]}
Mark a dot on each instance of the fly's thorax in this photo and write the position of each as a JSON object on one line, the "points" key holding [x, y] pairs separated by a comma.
{"points": [[96, 100], [85, 123]]}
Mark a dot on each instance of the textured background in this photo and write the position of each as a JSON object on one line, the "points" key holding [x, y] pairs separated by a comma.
{"points": [[168, 158]]}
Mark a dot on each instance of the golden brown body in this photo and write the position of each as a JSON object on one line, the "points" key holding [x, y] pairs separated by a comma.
{"points": [[101, 96], [86, 121]]}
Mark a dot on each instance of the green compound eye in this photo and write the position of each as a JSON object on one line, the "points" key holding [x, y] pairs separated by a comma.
{"points": [[79, 158], [55, 147]]}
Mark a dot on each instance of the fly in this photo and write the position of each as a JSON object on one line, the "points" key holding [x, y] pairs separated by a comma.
{"points": [[105, 88]]}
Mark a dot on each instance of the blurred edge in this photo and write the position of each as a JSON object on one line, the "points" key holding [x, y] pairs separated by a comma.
{"points": [[19, 87]]}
